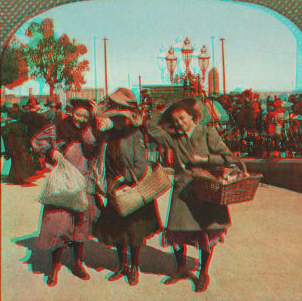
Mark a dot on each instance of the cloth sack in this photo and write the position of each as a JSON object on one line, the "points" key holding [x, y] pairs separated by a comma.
{"points": [[64, 187]]}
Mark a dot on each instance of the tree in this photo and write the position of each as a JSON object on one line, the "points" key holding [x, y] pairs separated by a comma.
{"points": [[13, 67], [55, 58]]}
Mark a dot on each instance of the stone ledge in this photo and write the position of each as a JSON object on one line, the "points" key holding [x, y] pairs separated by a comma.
{"points": [[285, 173]]}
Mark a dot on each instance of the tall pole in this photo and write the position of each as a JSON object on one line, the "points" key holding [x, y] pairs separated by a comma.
{"points": [[213, 64], [223, 66], [105, 58], [95, 73], [140, 86]]}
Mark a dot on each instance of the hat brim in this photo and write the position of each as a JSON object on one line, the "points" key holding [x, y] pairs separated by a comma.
{"points": [[84, 103], [123, 97], [119, 116], [189, 104]]}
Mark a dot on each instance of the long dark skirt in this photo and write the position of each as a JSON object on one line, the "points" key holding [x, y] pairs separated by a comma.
{"points": [[111, 228], [22, 164], [60, 226], [204, 239]]}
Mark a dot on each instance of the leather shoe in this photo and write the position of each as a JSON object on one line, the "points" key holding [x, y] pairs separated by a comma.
{"points": [[80, 272], [133, 276], [180, 273], [51, 278], [201, 282], [120, 272]]}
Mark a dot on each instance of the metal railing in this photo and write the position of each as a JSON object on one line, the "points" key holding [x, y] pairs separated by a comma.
{"points": [[285, 143]]}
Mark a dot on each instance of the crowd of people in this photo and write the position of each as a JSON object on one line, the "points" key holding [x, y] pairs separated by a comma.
{"points": [[256, 128], [105, 142], [259, 126], [18, 125]]}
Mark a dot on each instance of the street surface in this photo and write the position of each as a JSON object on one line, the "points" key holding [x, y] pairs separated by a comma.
{"points": [[260, 259]]}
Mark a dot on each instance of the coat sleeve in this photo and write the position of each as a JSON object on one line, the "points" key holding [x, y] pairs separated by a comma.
{"points": [[220, 154], [139, 155], [94, 149], [43, 141], [160, 136]]}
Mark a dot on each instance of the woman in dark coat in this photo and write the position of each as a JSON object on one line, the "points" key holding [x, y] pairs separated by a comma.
{"points": [[74, 139], [125, 153], [18, 149], [191, 221]]}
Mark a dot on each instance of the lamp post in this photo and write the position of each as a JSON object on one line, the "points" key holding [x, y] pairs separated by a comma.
{"points": [[187, 54], [105, 63], [223, 65], [171, 60], [203, 59], [190, 56], [95, 73], [160, 61]]}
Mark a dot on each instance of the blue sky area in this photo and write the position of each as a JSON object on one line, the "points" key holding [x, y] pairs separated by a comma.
{"points": [[260, 52]]}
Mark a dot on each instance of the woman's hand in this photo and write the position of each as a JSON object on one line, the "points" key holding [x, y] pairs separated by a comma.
{"points": [[196, 159], [137, 119], [103, 123], [56, 156]]}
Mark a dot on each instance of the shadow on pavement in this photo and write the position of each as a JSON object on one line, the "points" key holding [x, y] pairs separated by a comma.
{"points": [[98, 256]]}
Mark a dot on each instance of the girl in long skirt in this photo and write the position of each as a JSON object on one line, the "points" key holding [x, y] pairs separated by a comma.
{"points": [[74, 139], [125, 154]]}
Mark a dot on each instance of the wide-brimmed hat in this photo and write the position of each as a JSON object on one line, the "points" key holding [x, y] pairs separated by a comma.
{"points": [[120, 117], [188, 103], [78, 102], [124, 97]]}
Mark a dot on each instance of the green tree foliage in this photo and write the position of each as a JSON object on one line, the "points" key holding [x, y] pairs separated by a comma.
{"points": [[13, 67], [56, 59]]}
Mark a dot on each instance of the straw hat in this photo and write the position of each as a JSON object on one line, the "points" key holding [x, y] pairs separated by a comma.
{"points": [[124, 97]]}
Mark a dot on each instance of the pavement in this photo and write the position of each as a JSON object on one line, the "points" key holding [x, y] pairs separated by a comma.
{"points": [[260, 259]]}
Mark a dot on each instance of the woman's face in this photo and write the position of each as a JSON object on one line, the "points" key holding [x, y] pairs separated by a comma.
{"points": [[80, 117], [182, 120]]}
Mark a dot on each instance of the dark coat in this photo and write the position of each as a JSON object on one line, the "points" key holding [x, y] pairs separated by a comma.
{"points": [[125, 150], [18, 149], [186, 212]]}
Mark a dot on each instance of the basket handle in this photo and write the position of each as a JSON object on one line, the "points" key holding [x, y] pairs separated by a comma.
{"points": [[243, 165], [132, 174], [146, 172]]}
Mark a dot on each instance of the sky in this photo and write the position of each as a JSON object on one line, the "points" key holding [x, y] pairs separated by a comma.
{"points": [[260, 51]]}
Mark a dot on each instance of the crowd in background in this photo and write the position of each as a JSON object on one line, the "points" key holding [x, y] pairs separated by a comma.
{"points": [[257, 127], [260, 127], [18, 125]]}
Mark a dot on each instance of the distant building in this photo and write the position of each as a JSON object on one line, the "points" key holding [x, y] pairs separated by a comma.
{"points": [[86, 93], [212, 88]]}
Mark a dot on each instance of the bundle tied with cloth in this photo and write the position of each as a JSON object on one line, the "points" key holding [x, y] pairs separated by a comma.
{"points": [[64, 186], [121, 107]]}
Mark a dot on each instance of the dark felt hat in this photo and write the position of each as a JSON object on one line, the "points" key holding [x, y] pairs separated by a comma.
{"points": [[78, 102], [188, 103]]}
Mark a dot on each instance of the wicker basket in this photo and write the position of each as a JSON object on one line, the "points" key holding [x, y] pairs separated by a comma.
{"points": [[129, 199], [220, 192], [211, 189]]}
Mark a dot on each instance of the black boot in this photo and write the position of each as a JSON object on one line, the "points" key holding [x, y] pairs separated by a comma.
{"points": [[52, 274], [181, 271], [78, 269], [202, 280], [122, 269], [133, 271]]}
